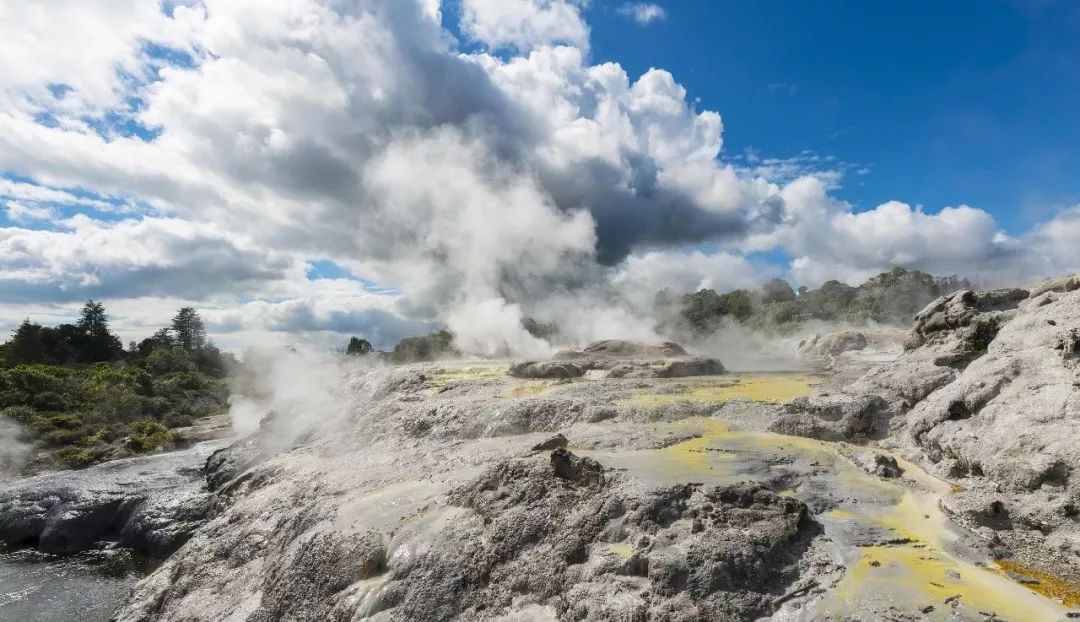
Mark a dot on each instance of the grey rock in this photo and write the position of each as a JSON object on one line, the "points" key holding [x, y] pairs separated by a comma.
{"points": [[622, 348], [150, 504], [554, 442], [832, 344], [545, 369], [1060, 284], [681, 368], [989, 390], [836, 416], [878, 464]]}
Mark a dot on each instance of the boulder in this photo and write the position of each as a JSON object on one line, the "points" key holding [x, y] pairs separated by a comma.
{"points": [[623, 348], [832, 344], [832, 417], [1060, 284], [545, 369], [881, 465], [554, 442], [680, 368]]}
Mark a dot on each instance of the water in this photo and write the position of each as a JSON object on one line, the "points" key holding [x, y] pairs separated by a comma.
{"points": [[82, 588]]}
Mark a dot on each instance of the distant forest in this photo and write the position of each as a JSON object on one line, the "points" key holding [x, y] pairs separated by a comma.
{"points": [[79, 397], [892, 298]]}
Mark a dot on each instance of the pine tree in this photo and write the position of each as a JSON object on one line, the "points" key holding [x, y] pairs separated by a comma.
{"points": [[25, 344], [189, 330], [94, 342], [93, 320]]}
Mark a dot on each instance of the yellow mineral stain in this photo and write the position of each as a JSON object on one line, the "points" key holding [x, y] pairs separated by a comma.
{"points": [[911, 563], [1048, 585], [529, 387], [917, 570], [447, 376], [621, 549], [769, 388]]}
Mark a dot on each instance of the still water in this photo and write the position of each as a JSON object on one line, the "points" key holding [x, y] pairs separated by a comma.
{"points": [[83, 588]]}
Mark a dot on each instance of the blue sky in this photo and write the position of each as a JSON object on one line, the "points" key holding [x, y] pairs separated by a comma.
{"points": [[409, 163], [965, 101]]}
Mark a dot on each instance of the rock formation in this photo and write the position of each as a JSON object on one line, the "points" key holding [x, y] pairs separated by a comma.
{"points": [[150, 504], [620, 358], [988, 392]]}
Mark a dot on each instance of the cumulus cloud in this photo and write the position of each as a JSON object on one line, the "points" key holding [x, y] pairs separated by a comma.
{"points": [[643, 12], [239, 140], [129, 258], [524, 24], [43, 70], [830, 240], [1059, 241]]}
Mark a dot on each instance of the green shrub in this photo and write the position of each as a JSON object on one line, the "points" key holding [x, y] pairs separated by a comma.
{"points": [[49, 401], [76, 457], [168, 360], [20, 414], [146, 435], [57, 422], [104, 402]]}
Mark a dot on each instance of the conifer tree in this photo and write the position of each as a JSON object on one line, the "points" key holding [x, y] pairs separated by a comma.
{"points": [[189, 330]]}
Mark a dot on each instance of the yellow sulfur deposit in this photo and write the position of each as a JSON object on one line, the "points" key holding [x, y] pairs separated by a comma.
{"points": [[768, 388], [1047, 584], [449, 375], [621, 549], [900, 543]]}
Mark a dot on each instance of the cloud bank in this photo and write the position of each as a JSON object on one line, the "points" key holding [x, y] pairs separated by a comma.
{"points": [[214, 151]]}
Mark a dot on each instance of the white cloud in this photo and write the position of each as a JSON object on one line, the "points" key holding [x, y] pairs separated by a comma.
{"points": [[519, 179], [829, 240], [643, 12], [524, 24], [1059, 242], [130, 258], [23, 212], [642, 275], [38, 50]]}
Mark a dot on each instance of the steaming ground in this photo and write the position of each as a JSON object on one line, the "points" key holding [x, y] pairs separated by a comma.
{"points": [[625, 481], [438, 491]]}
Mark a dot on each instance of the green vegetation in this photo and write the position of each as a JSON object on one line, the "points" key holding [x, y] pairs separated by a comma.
{"points": [[81, 398], [358, 347], [889, 298], [430, 347]]}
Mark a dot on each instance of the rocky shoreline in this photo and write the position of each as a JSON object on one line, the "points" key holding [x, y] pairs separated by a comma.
{"points": [[149, 504]]}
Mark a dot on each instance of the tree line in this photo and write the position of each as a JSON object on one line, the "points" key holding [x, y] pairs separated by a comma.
{"points": [[91, 340], [78, 397], [892, 297]]}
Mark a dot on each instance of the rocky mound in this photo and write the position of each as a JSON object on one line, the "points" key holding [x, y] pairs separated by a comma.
{"points": [[545, 369], [622, 348], [988, 391], [549, 533], [621, 358], [832, 344], [151, 504]]}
